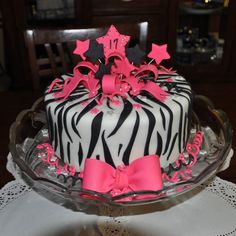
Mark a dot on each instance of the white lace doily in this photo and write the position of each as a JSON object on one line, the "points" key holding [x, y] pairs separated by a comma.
{"points": [[11, 192], [209, 210]]}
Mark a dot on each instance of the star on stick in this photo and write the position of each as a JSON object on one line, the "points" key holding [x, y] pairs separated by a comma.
{"points": [[135, 54], [113, 42], [95, 51], [81, 48], [159, 53], [103, 70]]}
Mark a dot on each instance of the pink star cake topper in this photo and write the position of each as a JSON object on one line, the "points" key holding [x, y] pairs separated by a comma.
{"points": [[114, 43], [159, 53], [81, 48], [117, 77]]}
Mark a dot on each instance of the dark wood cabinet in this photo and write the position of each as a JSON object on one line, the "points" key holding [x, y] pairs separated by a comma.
{"points": [[217, 25], [162, 15], [112, 12], [232, 43]]}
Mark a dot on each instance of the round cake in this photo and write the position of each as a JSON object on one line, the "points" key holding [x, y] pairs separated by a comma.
{"points": [[122, 130]]}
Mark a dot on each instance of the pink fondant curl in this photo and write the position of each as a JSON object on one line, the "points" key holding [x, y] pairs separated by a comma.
{"points": [[192, 149], [46, 154]]}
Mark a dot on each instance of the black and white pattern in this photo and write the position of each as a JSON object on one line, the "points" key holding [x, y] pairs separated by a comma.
{"points": [[118, 134]]}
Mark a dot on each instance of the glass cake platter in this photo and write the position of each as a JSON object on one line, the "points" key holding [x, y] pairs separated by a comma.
{"points": [[30, 129]]}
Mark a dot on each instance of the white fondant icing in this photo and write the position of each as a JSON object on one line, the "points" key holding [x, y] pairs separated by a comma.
{"points": [[71, 132]]}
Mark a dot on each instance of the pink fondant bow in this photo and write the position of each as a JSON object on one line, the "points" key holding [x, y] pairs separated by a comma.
{"points": [[142, 174]]}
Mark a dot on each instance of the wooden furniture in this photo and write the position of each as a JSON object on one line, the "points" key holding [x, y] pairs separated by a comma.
{"points": [[60, 43], [159, 14], [217, 23]]}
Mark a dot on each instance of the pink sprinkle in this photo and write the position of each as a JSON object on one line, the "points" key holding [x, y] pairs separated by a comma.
{"points": [[188, 171], [94, 111], [137, 106], [58, 171], [84, 103], [72, 170], [169, 80], [116, 102]]}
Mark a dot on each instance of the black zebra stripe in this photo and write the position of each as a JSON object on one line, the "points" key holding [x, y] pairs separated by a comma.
{"points": [[159, 144], [152, 122], [68, 151], [169, 129], [73, 125], [119, 149], [123, 116], [127, 152], [80, 154], [107, 153], [95, 132], [180, 125], [172, 145], [50, 121], [60, 129], [56, 138], [65, 118], [163, 118]]}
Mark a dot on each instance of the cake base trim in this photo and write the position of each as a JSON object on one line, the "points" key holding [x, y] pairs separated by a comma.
{"points": [[114, 188]]}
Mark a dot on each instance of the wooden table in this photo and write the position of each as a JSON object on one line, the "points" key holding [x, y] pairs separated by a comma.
{"points": [[223, 95]]}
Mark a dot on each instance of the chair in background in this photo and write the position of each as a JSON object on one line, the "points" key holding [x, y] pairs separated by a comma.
{"points": [[50, 51]]}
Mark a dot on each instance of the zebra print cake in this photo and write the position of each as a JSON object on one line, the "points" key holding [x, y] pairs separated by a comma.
{"points": [[120, 130]]}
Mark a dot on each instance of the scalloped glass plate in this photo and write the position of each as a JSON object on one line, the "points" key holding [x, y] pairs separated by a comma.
{"points": [[30, 129]]}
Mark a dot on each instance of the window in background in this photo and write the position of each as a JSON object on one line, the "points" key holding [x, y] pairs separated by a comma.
{"points": [[51, 9], [201, 32]]}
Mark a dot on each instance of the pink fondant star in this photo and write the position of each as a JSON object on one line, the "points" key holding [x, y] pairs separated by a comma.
{"points": [[113, 42], [137, 106], [94, 110], [159, 53], [81, 48]]}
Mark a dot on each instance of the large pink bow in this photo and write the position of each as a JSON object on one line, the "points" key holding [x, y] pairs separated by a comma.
{"points": [[142, 174]]}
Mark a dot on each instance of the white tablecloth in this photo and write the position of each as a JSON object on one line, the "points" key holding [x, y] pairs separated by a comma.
{"points": [[208, 210]]}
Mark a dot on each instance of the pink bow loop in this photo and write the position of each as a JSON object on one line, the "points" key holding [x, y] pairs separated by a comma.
{"points": [[109, 84], [142, 174]]}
